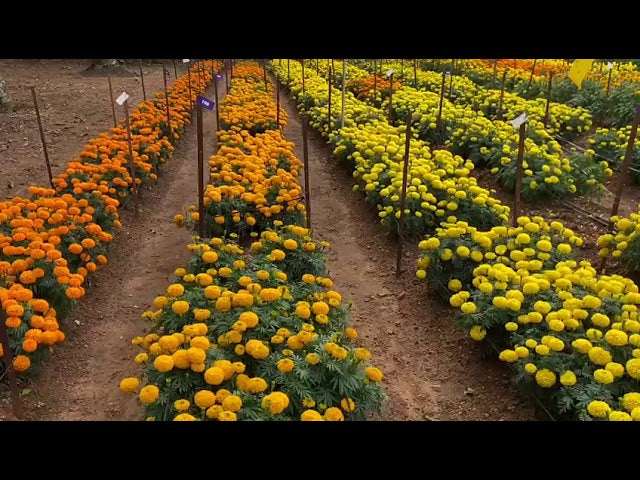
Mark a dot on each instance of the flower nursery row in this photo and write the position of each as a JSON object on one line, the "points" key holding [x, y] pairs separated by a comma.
{"points": [[439, 183], [252, 328], [611, 104], [53, 239]]}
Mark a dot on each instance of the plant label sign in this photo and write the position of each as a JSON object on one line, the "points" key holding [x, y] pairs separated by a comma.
{"points": [[124, 96], [609, 65], [516, 122], [185, 60], [390, 72], [205, 102]]}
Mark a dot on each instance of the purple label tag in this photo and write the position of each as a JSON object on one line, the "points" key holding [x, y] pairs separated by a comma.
{"points": [[447, 72], [218, 76], [205, 102]]}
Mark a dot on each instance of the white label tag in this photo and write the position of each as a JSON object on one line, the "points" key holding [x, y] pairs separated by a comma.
{"points": [[122, 98], [390, 72], [185, 60], [609, 65], [516, 122]]}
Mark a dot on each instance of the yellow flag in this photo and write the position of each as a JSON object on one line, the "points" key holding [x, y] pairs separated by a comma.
{"points": [[579, 70]]}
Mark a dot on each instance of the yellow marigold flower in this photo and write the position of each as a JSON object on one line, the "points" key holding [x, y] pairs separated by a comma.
{"points": [[226, 416], [285, 365], [142, 358], [615, 368], [182, 405], [454, 285], [129, 385], [312, 358], [351, 333], [333, 414], [311, 416], [477, 332], [320, 308], [214, 376], [545, 378], [275, 402], [568, 378], [603, 376], [214, 411], [204, 399], [617, 338], [598, 409], [184, 417], [163, 363], [249, 318], [374, 374], [599, 356], [530, 368], [232, 403], [270, 294], [175, 290], [633, 368], [617, 416], [180, 307]]}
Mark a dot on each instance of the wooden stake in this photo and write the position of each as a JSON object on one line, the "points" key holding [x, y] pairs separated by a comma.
{"points": [[303, 76], [344, 84], [402, 68], [132, 171], [305, 156], [628, 155], [439, 118], [391, 98], [277, 103], [451, 85], [531, 76], [546, 114], [189, 80], [144, 92], [375, 78], [166, 99], [215, 96], [403, 196], [415, 73], [333, 68], [288, 72], [264, 74], [504, 79], [516, 203], [7, 357], [44, 143], [609, 82], [330, 88], [495, 72], [113, 104], [175, 69], [200, 173]]}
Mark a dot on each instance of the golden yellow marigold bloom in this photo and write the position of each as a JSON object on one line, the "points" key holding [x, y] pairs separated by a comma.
{"points": [[163, 363], [214, 376], [333, 414], [373, 374], [270, 294], [545, 378], [347, 404], [175, 290], [598, 409], [180, 307], [320, 308], [290, 244], [182, 405], [223, 304], [311, 416], [129, 385], [285, 365], [351, 333], [184, 417], [214, 411], [226, 416], [232, 403], [477, 332], [308, 278], [275, 402], [210, 257], [249, 318], [149, 394], [204, 399], [160, 302]]}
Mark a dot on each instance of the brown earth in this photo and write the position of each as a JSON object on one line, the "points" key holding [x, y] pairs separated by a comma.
{"points": [[73, 107]]}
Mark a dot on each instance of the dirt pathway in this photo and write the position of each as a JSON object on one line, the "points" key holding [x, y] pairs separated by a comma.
{"points": [[80, 380], [432, 370]]}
